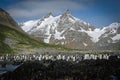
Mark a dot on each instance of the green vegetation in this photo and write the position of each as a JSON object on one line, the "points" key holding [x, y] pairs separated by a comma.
{"points": [[21, 40], [17, 40], [4, 48]]}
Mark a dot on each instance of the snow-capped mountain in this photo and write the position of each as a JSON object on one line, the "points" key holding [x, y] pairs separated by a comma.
{"points": [[110, 38], [72, 32]]}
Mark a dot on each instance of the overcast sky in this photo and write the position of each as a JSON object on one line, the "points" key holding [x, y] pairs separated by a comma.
{"points": [[97, 12]]}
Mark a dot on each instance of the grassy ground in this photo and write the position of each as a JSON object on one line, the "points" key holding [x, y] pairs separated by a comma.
{"points": [[21, 40]]}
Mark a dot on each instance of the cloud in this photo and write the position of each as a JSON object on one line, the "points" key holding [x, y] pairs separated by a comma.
{"points": [[34, 8]]}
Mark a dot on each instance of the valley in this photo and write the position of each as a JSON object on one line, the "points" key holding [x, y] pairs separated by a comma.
{"points": [[58, 48]]}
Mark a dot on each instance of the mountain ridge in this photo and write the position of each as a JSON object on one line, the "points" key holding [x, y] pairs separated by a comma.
{"points": [[72, 32]]}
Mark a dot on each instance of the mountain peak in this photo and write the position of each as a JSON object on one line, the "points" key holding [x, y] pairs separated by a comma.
{"points": [[6, 19], [67, 15], [114, 25], [67, 12], [48, 15], [1, 11]]}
